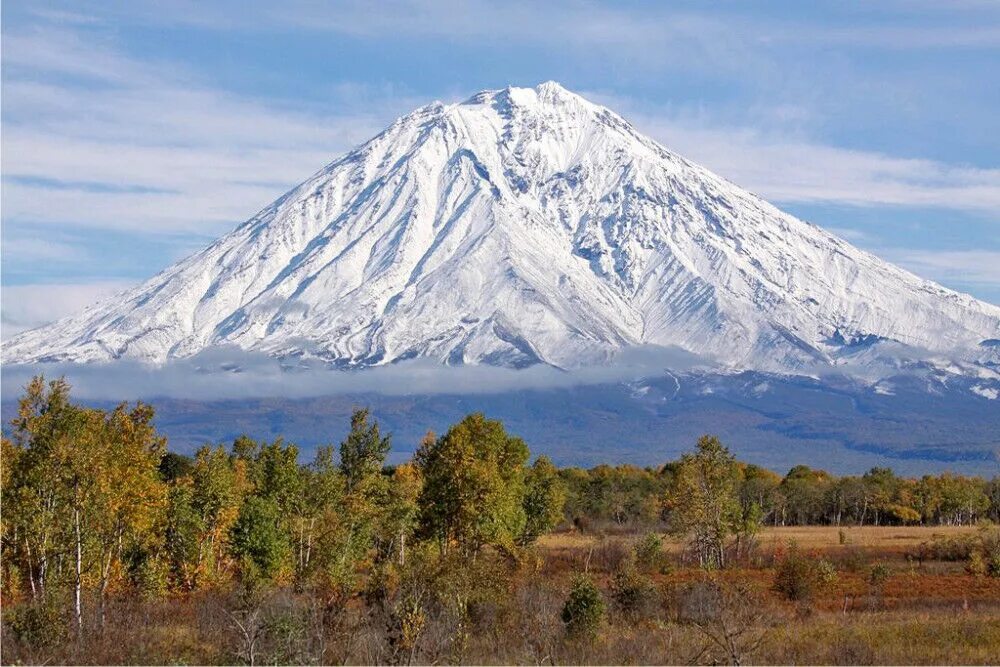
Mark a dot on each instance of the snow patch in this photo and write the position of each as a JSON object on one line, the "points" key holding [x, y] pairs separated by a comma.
{"points": [[986, 392]]}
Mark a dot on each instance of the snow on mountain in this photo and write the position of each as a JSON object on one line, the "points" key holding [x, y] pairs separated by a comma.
{"points": [[521, 226]]}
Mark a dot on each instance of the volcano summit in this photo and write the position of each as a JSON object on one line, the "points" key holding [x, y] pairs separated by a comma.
{"points": [[523, 226]]}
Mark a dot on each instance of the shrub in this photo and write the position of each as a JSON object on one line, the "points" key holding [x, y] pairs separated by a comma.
{"points": [[649, 553], [731, 616], [879, 574], [36, 625], [991, 552], [976, 565], [854, 559], [608, 556], [850, 649], [796, 576], [826, 572], [285, 633], [149, 577], [952, 549], [406, 623], [993, 565], [633, 594], [584, 609]]}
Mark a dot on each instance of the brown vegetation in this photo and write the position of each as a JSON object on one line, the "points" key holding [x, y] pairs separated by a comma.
{"points": [[116, 553]]}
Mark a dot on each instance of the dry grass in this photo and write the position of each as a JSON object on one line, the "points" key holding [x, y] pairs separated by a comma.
{"points": [[924, 613], [886, 638], [890, 538]]}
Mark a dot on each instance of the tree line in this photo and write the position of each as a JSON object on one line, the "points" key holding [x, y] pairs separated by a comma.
{"points": [[629, 494], [94, 505]]}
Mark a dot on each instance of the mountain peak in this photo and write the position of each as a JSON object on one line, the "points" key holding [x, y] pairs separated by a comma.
{"points": [[522, 226], [549, 93]]}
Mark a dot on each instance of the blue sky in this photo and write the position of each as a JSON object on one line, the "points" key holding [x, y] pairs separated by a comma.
{"points": [[134, 133]]}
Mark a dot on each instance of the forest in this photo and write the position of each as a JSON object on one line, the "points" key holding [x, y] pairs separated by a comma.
{"points": [[116, 550]]}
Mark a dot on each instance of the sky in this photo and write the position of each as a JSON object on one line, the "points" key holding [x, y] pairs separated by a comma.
{"points": [[135, 133]]}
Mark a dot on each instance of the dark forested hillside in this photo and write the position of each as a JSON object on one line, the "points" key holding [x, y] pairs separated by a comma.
{"points": [[771, 420]]}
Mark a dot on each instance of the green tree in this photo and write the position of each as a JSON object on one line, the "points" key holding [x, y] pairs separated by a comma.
{"points": [[881, 486], [363, 452], [319, 512], [36, 498], [173, 466], [544, 500], [804, 491], [401, 512], [758, 491], [473, 491], [276, 474], [703, 502], [217, 492], [258, 540], [84, 490], [128, 494], [356, 510], [182, 535]]}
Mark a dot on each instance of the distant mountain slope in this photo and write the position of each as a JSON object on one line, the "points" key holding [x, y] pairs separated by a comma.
{"points": [[523, 226], [771, 420]]}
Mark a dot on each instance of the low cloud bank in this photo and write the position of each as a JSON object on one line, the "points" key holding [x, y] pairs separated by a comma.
{"points": [[224, 373]]}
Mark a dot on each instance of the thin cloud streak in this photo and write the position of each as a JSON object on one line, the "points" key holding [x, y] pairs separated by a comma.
{"points": [[787, 170], [29, 306], [206, 159], [968, 266]]}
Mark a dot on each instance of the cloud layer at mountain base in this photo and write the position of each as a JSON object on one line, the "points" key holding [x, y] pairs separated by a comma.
{"points": [[228, 373]]}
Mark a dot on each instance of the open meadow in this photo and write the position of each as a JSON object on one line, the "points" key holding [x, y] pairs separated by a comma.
{"points": [[923, 607]]}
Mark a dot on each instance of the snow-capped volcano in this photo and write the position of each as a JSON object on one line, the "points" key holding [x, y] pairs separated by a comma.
{"points": [[521, 226]]}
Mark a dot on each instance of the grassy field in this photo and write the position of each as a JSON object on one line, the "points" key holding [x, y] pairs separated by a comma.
{"points": [[889, 539], [930, 610], [927, 610]]}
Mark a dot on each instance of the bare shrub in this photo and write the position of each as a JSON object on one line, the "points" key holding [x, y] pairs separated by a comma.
{"points": [[945, 548], [851, 650], [607, 556], [633, 593], [36, 626], [731, 617], [854, 559], [796, 576]]}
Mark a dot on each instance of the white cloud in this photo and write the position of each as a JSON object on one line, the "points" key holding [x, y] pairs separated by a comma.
{"points": [[220, 373], [211, 159], [964, 266], [785, 169], [191, 157], [29, 306], [41, 250]]}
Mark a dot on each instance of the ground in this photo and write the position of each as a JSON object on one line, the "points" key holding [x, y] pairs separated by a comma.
{"points": [[928, 610]]}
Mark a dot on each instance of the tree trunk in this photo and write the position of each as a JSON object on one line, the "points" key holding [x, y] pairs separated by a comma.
{"points": [[309, 540], [105, 577], [31, 571], [78, 583]]}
